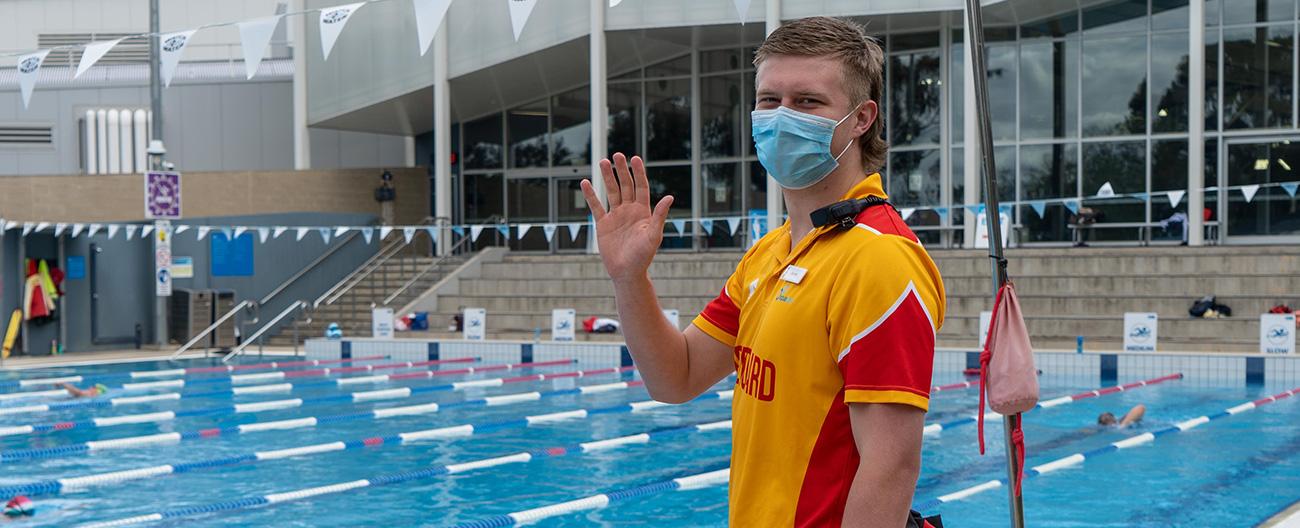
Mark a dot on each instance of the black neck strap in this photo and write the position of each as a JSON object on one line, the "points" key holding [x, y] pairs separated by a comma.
{"points": [[844, 214]]}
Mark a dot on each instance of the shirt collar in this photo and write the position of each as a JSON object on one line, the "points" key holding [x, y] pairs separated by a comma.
{"points": [[869, 186]]}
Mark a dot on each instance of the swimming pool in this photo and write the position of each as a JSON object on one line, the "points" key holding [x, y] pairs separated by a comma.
{"points": [[371, 452]]}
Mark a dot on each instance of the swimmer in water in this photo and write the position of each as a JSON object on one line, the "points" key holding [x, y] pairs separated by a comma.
{"points": [[1133, 416], [91, 392]]}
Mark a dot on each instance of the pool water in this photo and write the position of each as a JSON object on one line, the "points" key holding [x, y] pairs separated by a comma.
{"points": [[1235, 471]]}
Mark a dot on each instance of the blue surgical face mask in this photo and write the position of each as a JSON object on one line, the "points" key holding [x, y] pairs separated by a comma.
{"points": [[795, 147]]}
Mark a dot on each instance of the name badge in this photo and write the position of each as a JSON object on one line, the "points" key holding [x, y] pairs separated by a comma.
{"points": [[793, 274]]}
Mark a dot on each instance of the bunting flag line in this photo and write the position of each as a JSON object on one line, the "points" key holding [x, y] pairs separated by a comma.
{"points": [[93, 52], [332, 20], [255, 36], [1249, 192], [28, 66], [549, 230], [171, 46], [1175, 197]]}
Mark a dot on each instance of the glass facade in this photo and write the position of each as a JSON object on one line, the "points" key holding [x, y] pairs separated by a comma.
{"points": [[1080, 99]]}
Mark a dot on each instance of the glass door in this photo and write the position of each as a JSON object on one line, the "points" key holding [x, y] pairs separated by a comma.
{"points": [[570, 208], [528, 202], [1269, 210]]}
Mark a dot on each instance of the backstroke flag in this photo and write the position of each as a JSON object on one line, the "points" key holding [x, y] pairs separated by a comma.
{"points": [[332, 20], [94, 51], [519, 13], [255, 36], [171, 46], [428, 16], [28, 66]]}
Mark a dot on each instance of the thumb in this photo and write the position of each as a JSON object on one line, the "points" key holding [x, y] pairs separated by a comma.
{"points": [[660, 213]]}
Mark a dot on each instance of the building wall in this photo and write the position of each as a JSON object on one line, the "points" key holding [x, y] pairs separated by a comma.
{"points": [[117, 198]]}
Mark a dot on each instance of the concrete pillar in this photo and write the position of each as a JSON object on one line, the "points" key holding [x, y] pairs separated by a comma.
{"points": [[301, 137], [775, 201], [599, 107], [1196, 126], [442, 139], [970, 142]]}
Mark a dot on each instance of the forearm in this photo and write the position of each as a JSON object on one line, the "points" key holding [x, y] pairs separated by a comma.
{"points": [[881, 495], [659, 349]]}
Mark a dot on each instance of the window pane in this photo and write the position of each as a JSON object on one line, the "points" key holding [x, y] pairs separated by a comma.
{"points": [[1123, 165], [571, 128], [720, 60], [674, 180], [914, 94], [1257, 71], [570, 206], [957, 90], [1122, 15], [958, 179], [1169, 82], [484, 197], [756, 190], [526, 133], [1168, 173], [1250, 11], [1049, 83], [720, 116], [1048, 171], [624, 118], [668, 119], [671, 67], [1116, 96], [528, 200], [1172, 14], [914, 178], [913, 41], [722, 198], [1002, 90], [1059, 26], [1212, 80], [483, 143]]}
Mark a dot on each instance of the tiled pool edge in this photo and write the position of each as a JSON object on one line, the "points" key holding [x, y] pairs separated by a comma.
{"points": [[1197, 368]]}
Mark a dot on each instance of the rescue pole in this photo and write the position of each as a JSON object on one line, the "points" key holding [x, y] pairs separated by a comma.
{"points": [[992, 214]]}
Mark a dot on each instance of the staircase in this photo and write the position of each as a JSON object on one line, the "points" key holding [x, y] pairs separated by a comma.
{"points": [[1065, 292]]}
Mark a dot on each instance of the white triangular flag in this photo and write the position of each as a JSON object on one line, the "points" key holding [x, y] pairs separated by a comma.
{"points": [[181, 229], [94, 228], [519, 13], [340, 231], [263, 233], [302, 232], [1106, 191], [474, 232], [279, 230], [146, 231], [239, 231], [906, 212], [171, 46], [524, 229], [324, 234], [742, 9], [59, 229], [408, 233], [77, 229], [615, 3], [255, 36], [28, 66], [1175, 197], [707, 225], [93, 52], [368, 233], [1249, 192], [112, 230], [130, 231], [10, 225], [574, 229], [41, 226], [433, 234], [428, 16], [332, 20], [203, 232], [28, 227], [734, 224], [680, 225], [549, 231], [383, 232]]}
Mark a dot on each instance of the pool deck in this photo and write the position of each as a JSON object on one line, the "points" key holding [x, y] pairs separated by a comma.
{"points": [[112, 356], [1288, 518]]}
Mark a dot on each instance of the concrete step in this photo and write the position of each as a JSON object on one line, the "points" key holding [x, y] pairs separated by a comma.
{"points": [[596, 271], [1187, 285], [1243, 306], [1234, 329]]}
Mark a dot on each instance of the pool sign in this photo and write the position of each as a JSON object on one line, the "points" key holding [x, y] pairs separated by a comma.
{"points": [[562, 321], [162, 195], [674, 317], [475, 324], [1277, 333], [162, 236], [381, 323], [1140, 331]]}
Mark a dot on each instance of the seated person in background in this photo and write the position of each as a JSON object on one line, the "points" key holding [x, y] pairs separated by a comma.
{"points": [[1134, 416], [91, 392]]}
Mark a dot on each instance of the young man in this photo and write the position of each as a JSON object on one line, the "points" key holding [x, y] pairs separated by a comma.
{"points": [[828, 323]]}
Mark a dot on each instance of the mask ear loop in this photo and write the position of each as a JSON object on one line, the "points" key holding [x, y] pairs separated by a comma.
{"points": [[837, 125]]}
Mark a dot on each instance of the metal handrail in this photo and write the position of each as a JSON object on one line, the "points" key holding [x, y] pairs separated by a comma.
{"points": [[319, 260], [242, 305], [296, 305], [365, 269], [438, 262]]}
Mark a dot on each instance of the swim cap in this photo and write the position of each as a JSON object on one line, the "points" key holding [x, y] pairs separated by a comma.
{"points": [[20, 505], [101, 388]]}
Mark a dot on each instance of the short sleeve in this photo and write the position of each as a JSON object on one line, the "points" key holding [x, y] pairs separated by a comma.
{"points": [[883, 319], [721, 317]]}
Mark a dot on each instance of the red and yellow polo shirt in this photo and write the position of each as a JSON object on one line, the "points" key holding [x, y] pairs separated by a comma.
{"points": [[849, 316]]}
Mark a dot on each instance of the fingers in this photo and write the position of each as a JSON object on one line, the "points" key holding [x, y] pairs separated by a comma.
{"points": [[593, 202], [642, 183], [612, 196], [626, 189], [661, 211]]}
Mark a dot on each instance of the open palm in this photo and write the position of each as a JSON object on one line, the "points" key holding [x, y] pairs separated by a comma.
{"points": [[629, 233]]}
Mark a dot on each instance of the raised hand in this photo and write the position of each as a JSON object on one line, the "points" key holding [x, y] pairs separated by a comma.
{"points": [[630, 232]]}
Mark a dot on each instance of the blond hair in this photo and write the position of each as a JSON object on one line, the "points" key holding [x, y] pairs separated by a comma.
{"points": [[862, 65]]}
